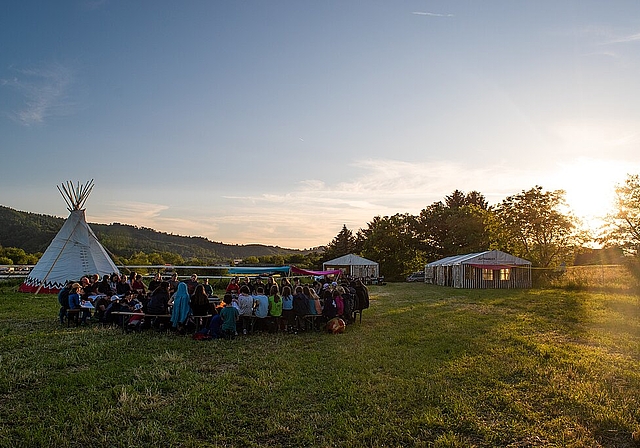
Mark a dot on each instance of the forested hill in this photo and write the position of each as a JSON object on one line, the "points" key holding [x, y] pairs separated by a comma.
{"points": [[33, 232]]}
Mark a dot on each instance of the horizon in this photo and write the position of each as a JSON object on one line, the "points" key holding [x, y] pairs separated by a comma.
{"points": [[89, 222], [278, 123]]}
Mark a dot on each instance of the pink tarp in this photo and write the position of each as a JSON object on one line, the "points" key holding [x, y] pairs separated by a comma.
{"points": [[299, 271]]}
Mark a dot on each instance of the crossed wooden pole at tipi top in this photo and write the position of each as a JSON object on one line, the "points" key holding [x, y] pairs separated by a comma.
{"points": [[75, 196]]}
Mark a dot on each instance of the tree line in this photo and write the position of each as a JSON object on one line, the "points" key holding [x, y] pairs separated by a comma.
{"points": [[534, 224]]}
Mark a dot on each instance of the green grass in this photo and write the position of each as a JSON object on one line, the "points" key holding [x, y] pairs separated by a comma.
{"points": [[428, 366]]}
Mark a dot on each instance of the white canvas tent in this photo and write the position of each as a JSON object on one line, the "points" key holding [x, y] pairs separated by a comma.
{"points": [[75, 251], [489, 269], [354, 266]]}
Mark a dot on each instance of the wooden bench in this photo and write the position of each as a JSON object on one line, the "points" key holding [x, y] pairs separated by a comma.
{"points": [[126, 316], [73, 314]]}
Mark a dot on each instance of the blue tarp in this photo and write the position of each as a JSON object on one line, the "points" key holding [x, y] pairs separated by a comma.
{"points": [[260, 271]]}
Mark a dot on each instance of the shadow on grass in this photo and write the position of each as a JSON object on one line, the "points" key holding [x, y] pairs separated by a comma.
{"points": [[525, 355]]}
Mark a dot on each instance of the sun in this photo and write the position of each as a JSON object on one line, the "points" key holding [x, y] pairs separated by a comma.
{"points": [[590, 188]]}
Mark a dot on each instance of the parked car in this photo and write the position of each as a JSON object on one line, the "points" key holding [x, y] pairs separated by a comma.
{"points": [[416, 277]]}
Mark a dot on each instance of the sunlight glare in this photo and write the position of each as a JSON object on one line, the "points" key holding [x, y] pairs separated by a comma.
{"points": [[590, 188]]}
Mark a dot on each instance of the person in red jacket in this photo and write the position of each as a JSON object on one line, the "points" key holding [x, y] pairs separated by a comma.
{"points": [[233, 288]]}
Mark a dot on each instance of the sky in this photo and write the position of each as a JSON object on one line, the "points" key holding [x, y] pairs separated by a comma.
{"points": [[278, 122]]}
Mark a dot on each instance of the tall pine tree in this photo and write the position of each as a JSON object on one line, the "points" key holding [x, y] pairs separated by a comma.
{"points": [[344, 243]]}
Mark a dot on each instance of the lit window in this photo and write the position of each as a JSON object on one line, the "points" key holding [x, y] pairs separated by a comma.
{"points": [[505, 274], [487, 274]]}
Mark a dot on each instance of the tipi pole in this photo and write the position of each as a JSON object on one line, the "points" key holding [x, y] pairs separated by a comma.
{"points": [[69, 207]]}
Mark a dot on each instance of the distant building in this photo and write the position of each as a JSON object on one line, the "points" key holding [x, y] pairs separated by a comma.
{"points": [[482, 270], [354, 266]]}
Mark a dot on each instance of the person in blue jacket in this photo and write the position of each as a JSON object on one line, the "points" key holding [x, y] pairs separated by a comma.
{"points": [[75, 302], [181, 309]]}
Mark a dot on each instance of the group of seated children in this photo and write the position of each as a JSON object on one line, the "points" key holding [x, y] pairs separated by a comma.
{"points": [[288, 307], [95, 307], [97, 299], [253, 305]]}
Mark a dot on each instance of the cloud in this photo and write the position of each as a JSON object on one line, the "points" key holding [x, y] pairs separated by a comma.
{"points": [[312, 212], [44, 93], [625, 39], [134, 211], [161, 217], [603, 36], [430, 14], [593, 136]]}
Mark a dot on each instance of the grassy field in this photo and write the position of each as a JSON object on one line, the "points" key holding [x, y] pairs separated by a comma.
{"points": [[597, 277], [428, 366]]}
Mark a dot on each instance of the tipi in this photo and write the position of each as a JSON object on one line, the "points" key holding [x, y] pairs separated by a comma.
{"points": [[75, 250]]}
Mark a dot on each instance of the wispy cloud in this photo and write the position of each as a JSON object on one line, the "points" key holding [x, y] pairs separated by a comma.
{"points": [[44, 93], [134, 209], [312, 212], [160, 217], [431, 14], [594, 136], [625, 39]]}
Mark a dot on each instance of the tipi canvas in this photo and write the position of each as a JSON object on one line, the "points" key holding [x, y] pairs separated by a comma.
{"points": [[75, 251]]}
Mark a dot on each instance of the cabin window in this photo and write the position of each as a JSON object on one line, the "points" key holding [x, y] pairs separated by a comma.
{"points": [[487, 274], [505, 274]]}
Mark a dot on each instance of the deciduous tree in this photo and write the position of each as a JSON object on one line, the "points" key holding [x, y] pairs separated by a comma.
{"points": [[532, 225], [454, 227], [18, 256], [623, 226], [391, 242]]}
